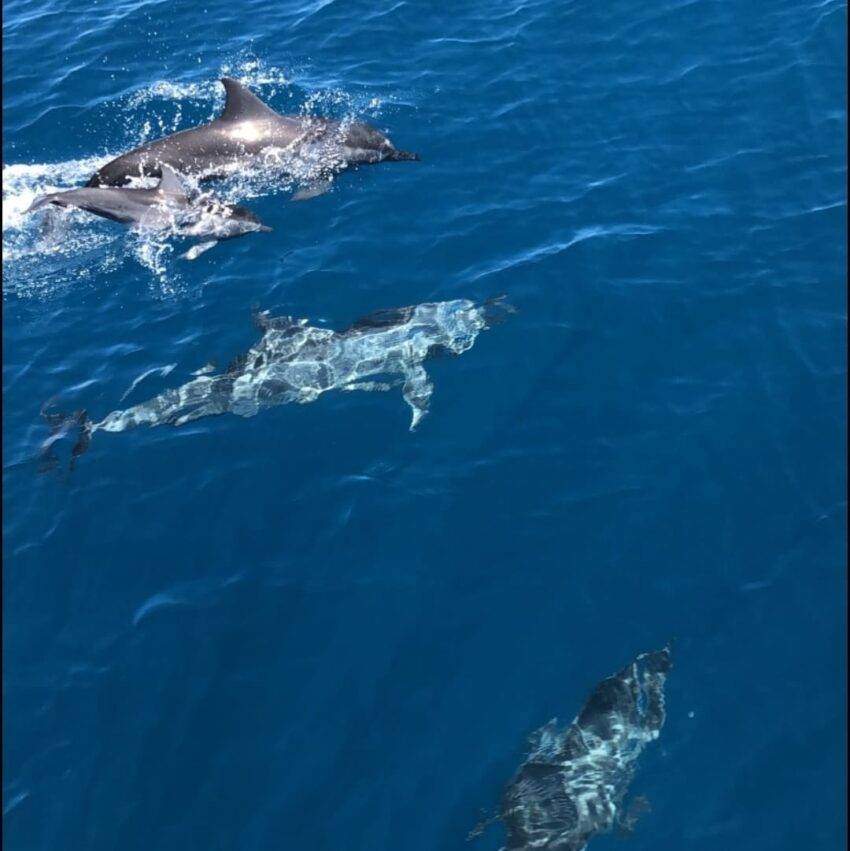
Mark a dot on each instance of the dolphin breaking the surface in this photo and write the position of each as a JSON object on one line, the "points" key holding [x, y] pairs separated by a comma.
{"points": [[572, 785], [245, 134], [297, 362], [170, 207]]}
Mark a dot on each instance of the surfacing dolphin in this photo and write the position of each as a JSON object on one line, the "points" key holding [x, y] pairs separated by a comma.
{"points": [[297, 362], [244, 135], [572, 784], [170, 207]]}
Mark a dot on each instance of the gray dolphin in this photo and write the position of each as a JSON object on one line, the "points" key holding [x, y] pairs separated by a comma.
{"points": [[171, 207], [571, 786], [297, 362], [244, 133]]}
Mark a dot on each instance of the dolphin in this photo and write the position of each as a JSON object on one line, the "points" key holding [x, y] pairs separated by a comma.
{"points": [[244, 135], [571, 786], [171, 206], [297, 362]]}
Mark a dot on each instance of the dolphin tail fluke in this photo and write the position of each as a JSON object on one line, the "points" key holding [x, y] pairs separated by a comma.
{"points": [[61, 424], [41, 201], [403, 156]]}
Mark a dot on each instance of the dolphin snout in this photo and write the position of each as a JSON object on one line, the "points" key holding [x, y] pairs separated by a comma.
{"points": [[496, 310], [402, 156]]}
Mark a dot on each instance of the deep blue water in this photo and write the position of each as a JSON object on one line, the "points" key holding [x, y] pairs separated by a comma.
{"points": [[315, 629]]}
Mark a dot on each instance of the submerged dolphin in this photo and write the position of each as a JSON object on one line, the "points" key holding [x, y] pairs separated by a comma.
{"points": [[571, 786], [245, 131], [170, 207], [297, 362]]}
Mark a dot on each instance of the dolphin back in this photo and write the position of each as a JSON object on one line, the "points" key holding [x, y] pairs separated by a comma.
{"points": [[244, 128]]}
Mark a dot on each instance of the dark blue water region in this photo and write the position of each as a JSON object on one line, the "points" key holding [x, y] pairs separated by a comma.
{"points": [[313, 628]]}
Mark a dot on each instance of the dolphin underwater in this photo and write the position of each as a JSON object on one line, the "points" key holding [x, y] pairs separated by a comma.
{"points": [[245, 130], [571, 786], [297, 362], [171, 206]]}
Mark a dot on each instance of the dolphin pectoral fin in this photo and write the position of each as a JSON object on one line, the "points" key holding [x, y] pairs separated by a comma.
{"points": [[312, 190], [197, 250], [417, 392]]}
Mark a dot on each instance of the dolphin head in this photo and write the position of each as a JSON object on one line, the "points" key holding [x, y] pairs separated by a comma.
{"points": [[365, 144], [223, 221], [450, 327], [246, 220], [496, 310], [460, 321]]}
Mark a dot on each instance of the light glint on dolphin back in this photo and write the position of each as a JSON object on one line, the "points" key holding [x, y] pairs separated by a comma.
{"points": [[294, 362]]}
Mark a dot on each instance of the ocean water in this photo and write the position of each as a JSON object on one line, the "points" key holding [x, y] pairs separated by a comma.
{"points": [[315, 629]]}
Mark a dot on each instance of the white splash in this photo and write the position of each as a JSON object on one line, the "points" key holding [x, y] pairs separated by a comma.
{"points": [[23, 183]]}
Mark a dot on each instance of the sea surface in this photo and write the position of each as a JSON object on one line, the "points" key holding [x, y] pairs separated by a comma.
{"points": [[315, 629]]}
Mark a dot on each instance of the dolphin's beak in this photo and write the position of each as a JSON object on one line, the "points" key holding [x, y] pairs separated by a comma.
{"points": [[400, 156], [264, 229]]}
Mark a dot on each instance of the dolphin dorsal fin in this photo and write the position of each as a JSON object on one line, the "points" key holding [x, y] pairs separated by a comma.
{"points": [[240, 104], [172, 182], [386, 318]]}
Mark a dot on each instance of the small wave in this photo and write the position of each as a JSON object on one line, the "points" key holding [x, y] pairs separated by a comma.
{"points": [[198, 594], [156, 370], [14, 801], [540, 252]]}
